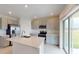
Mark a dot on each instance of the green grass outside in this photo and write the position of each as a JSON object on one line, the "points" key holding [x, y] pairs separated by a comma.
{"points": [[75, 38]]}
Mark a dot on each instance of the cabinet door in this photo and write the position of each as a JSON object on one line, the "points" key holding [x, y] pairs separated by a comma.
{"points": [[52, 39], [4, 22], [16, 22], [12, 20], [8, 21]]}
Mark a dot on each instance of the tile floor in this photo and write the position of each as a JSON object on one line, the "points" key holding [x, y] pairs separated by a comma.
{"points": [[75, 51], [6, 50], [48, 49], [52, 49]]}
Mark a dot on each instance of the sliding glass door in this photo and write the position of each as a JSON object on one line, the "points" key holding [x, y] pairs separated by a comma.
{"points": [[66, 35], [71, 34], [74, 19]]}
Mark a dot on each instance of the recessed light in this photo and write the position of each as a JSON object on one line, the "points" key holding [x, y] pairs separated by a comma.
{"points": [[10, 12], [26, 6]]}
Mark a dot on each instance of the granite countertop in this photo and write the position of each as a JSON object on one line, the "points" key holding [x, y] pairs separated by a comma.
{"points": [[32, 41]]}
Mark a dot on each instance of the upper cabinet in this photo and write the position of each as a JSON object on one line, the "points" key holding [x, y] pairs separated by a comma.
{"points": [[11, 20], [5, 20]]}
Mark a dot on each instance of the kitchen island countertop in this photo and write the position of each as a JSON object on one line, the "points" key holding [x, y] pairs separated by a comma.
{"points": [[32, 41]]}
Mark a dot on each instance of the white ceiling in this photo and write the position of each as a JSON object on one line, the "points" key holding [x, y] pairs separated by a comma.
{"points": [[39, 10]]}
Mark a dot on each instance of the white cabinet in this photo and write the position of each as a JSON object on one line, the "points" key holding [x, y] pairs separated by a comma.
{"points": [[52, 39]]}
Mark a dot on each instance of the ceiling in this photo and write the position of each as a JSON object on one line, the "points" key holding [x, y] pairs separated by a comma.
{"points": [[38, 10]]}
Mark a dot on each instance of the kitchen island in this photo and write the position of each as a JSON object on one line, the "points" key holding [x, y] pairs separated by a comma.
{"points": [[31, 45]]}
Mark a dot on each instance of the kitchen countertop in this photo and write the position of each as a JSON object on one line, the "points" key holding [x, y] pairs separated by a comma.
{"points": [[4, 36], [32, 41]]}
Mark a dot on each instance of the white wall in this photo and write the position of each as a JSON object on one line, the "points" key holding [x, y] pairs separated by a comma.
{"points": [[25, 25]]}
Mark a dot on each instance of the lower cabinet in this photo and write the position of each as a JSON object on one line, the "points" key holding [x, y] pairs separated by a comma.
{"points": [[52, 39], [3, 42]]}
